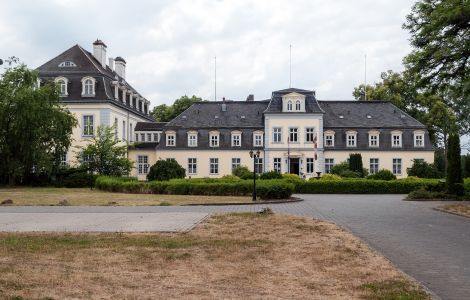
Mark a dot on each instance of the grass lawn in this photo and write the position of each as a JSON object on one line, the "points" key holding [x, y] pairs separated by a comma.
{"points": [[462, 209], [86, 196], [243, 256]]}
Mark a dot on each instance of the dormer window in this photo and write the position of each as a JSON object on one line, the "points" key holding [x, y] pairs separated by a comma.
{"points": [[192, 139], [88, 87], [374, 138], [329, 138], [214, 139], [170, 138], [258, 139], [351, 137], [236, 139], [62, 84], [396, 139], [419, 139], [67, 64], [293, 102], [289, 105]]}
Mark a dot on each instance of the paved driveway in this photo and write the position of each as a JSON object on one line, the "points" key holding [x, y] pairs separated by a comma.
{"points": [[431, 246]]}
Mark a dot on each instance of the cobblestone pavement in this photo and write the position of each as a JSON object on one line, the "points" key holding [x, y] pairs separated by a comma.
{"points": [[431, 246]]}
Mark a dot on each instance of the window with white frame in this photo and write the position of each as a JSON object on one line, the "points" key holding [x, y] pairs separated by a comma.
{"points": [[142, 137], [310, 165], [192, 139], [136, 137], [115, 128], [214, 166], [257, 139], [396, 167], [329, 139], [419, 140], [289, 105], [142, 164], [62, 84], [236, 139], [373, 165], [123, 130], [277, 135], [329, 164], [88, 87], [310, 136], [277, 164], [351, 139], [149, 137], [192, 166], [63, 161], [294, 135], [373, 140], [258, 165], [156, 137], [236, 162], [297, 105], [170, 139], [214, 139], [396, 139], [88, 125]]}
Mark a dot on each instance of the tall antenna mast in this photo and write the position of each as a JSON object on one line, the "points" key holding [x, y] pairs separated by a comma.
{"points": [[215, 78], [365, 77], [290, 66]]}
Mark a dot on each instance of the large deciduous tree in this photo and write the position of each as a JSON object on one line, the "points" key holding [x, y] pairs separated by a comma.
{"points": [[34, 128], [103, 155], [165, 113], [440, 37]]}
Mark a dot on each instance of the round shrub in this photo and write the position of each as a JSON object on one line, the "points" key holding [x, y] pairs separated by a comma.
{"points": [[271, 175], [329, 177], [166, 170], [382, 175]]}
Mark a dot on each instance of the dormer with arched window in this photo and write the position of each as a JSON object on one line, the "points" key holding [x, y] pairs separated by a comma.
{"points": [[88, 86], [62, 83], [293, 102]]}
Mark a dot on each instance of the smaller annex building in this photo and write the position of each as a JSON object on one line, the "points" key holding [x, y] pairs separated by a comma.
{"points": [[293, 131]]}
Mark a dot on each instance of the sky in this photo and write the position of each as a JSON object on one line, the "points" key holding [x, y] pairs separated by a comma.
{"points": [[170, 46]]}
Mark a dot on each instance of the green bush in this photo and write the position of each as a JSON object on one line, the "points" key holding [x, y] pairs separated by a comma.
{"points": [[422, 169], [243, 172], [271, 175], [362, 186], [454, 180], [266, 189], [74, 178], [355, 164], [292, 178], [423, 194], [340, 168], [328, 177], [274, 189], [165, 170], [382, 175], [230, 178]]}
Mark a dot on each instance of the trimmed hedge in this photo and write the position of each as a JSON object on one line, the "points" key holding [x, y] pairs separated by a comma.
{"points": [[265, 189], [370, 186]]}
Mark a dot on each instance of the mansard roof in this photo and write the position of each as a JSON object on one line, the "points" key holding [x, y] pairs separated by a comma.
{"points": [[150, 126], [311, 104], [366, 114], [237, 114], [86, 65]]}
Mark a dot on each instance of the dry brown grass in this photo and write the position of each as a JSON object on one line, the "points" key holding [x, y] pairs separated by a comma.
{"points": [[85, 196], [462, 209], [244, 256]]}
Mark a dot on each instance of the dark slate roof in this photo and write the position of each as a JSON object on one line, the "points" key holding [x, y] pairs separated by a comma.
{"points": [[238, 114], [143, 146], [311, 104], [87, 65], [150, 126], [355, 114]]}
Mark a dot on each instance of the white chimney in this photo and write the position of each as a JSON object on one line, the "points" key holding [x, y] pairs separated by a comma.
{"points": [[99, 52], [111, 63], [120, 67]]}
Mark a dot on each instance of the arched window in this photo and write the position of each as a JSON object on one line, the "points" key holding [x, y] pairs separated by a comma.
{"points": [[297, 105], [289, 105], [88, 87], [62, 85]]}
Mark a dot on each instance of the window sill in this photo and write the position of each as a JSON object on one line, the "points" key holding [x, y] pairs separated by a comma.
{"points": [[88, 95]]}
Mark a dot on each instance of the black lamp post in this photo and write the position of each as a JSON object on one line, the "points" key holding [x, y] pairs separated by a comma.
{"points": [[254, 155]]}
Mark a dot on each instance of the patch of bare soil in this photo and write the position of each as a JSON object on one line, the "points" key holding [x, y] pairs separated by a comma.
{"points": [[458, 209], [242, 256]]}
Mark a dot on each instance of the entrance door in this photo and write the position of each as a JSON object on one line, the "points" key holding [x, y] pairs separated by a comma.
{"points": [[294, 166]]}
